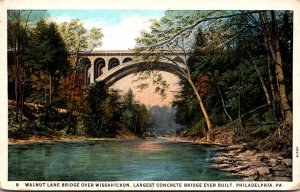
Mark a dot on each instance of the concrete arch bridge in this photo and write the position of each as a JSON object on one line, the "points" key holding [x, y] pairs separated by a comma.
{"points": [[111, 66]]}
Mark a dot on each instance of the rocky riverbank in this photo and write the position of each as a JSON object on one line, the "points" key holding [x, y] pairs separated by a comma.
{"points": [[238, 159], [254, 165], [242, 160]]}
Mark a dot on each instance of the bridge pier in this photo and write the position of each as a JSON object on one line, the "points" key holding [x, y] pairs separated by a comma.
{"points": [[92, 79]]}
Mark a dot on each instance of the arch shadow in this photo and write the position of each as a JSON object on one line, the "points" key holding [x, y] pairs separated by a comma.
{"points": [[113, 62], [99, 64]]}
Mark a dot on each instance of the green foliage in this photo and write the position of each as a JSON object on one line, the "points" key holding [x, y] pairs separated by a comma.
{"points": [[134, 115], [221, 51], [106, 112], [78, 39], [187, 106], [199, 128], [143, 118], [153, 77], [48, 50], [50, 118], [266, 123], [128, 118], [99, 111], [47, 59], [102, 112]]}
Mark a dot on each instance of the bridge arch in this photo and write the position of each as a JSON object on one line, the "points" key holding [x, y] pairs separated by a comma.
{"points": [[131, 67], [85, 64], [127, 59], [99, 64], [113, 62]]}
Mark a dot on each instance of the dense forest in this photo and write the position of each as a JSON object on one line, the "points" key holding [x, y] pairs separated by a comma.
{"points": [[237, 76], [46, 90], [238, 72]]}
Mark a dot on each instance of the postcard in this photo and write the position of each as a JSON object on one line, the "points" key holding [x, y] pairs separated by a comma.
{"points": [[152, 96]]}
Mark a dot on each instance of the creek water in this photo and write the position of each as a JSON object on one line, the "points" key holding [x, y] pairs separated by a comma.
{"points": [[113, 160]]}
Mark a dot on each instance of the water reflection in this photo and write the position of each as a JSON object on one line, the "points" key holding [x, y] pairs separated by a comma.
{"points": [[150, 146]]}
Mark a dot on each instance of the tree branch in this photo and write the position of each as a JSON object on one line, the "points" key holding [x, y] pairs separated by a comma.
{"points": [[200, 21]]}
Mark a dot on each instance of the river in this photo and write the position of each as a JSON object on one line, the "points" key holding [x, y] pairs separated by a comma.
{"points": [[113, 160]]}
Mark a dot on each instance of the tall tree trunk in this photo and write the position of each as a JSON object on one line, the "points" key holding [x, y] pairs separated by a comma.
{"points": [[273, 43], [274, 98], [265, 89], [50, 89], [69, 121], [17, 77], [22, 102], [72, 101], [203, 109], [17, 87], [45, 95], [223, 104]]}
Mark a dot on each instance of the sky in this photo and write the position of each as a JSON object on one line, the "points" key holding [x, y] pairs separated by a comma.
{"points": [[120, 28]]}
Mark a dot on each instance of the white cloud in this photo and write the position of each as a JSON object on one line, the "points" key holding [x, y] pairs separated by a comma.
{"points": [[118, 35], [121, 36], [61, 19]]}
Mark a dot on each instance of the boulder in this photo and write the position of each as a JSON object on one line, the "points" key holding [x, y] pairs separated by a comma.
{"points": [[279, 157], [279, 167], [282, 179], [246, 155], [241, 167], [287, 162], [272, 160], [263, 170], [279, 173], [221, 166], [249, 172]]}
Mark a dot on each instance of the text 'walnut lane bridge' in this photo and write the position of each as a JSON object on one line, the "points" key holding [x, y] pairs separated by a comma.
{"points": [[111, 66]]}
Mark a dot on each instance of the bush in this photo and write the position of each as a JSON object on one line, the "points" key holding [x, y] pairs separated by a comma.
{"points": [[199, 127], [52, 119], [267, 123]]}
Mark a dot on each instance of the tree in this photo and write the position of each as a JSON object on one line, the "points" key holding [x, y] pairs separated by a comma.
{"points": [[129, 115], [143, 118], [40, 83], [78, 40], [101, 110], [134, 115], [19, 22], [272, 42], [48, 55]]}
